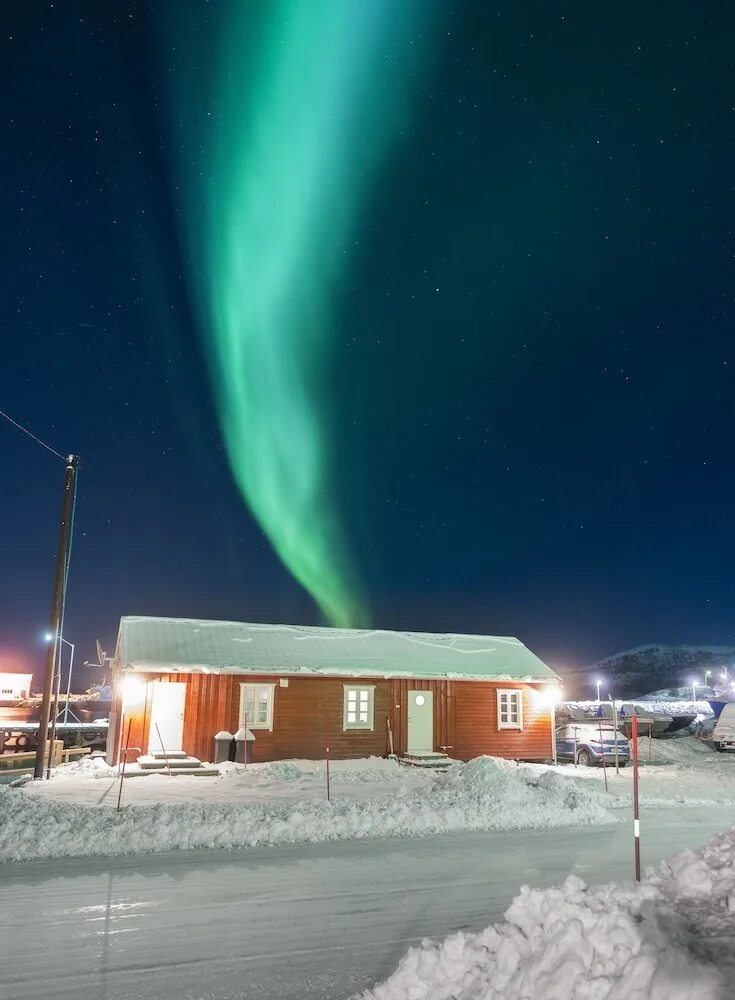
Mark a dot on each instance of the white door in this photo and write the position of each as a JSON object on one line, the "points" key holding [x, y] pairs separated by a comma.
{"points": [[167, 713], [420, 721]]}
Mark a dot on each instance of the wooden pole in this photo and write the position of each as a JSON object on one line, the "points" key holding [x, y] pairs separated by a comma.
{"points": [[122, 773], [636, 816], [57, 605], [51, 756], [327, 758], [390, 736]]}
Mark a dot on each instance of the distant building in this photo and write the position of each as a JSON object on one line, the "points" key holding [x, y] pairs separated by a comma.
{"points": [[13, 687], [177, 682]]}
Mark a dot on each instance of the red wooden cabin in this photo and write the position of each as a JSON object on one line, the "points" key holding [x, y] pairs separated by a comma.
{"points": [[378, 692]]}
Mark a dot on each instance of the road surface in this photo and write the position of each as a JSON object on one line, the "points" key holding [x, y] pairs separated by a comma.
{"points": [[315, 922]]}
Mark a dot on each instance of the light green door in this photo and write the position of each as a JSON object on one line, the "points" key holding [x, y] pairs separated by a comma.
{"points": [[420, 721]]}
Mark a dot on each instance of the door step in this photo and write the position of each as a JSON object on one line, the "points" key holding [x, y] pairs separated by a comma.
{"points": [[427, 760], [168, 754], [202, 771], [175, 762], [149, 762]]}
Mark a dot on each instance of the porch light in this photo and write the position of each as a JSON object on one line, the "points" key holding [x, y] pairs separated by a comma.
{"points": [[548, 697], [133, 691]]}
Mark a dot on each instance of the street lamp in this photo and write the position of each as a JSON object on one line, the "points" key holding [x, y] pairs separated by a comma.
{"points": [[50, 638], [598, 682], [694, 691]]}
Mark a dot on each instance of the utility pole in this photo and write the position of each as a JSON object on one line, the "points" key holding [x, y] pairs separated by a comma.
{"points": [[62, 555]]}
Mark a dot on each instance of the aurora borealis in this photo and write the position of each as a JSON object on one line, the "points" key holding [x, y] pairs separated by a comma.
{"points": [[425, 306], [303, 122]]}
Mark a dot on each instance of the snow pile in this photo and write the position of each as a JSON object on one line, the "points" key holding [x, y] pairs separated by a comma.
{"points": [[364, 771], [85, 767], [486, 794], [669, 938]]}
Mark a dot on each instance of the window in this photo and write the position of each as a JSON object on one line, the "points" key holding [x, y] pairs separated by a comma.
{"points": [[358, 706], [256, 705], [510, 709]]}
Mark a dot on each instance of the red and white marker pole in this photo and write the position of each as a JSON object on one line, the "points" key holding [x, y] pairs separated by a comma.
{"points": [[636, 815], [327, 756]]}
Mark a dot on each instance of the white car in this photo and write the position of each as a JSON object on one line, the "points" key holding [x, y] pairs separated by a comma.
{"points": [[723, 735]]}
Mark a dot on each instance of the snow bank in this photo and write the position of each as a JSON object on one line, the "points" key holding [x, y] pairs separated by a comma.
{"points": [[485, 794], [669, 938]]}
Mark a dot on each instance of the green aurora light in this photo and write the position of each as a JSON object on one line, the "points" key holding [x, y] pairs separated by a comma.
{"points": [[279, 152]]}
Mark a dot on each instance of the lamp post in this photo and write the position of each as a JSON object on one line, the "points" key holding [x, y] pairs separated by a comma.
{"points": [[49, 638], [598, 682], [694, 691]]}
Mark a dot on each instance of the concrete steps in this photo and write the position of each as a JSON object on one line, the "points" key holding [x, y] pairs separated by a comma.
{"points": [[174, 762], [427, 759]]}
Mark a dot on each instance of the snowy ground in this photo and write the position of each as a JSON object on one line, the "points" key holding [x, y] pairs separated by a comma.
{"points": [[680, 771], [672, 936], [285, 802], [309, 922]]}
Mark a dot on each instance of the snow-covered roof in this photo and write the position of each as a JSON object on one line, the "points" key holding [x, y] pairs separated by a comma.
{"points": [[191, 645]]}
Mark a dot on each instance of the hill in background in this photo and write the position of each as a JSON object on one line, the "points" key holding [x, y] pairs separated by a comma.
{"points": [[645, 669]]}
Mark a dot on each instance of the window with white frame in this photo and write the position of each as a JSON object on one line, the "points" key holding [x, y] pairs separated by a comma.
{"points": [[358, 706], [256, 705], [510, 709]]}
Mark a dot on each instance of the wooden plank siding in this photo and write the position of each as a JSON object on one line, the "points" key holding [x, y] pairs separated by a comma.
{"points": [[465, 717], [444, 713], [477, 724], [300, 714]]}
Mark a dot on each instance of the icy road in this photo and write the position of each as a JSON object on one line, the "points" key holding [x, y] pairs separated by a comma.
{"points": [[315, 923]]}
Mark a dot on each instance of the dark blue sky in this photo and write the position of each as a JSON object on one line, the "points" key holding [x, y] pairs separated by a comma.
{"points": [[533, 376]]}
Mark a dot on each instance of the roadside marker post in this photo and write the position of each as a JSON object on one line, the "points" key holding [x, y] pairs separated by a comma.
{"points": [[636, 816], [326, 748]]}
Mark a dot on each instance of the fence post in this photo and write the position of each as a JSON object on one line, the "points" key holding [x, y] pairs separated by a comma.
{"points": [[615, 728], [602, 749]]}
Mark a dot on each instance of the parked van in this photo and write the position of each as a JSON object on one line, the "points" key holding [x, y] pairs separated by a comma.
{"points": [[723, 734]]}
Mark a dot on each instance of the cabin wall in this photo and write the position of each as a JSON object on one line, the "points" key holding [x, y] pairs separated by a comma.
{"points": [[477, 733], [465, 718], [301, 713]]}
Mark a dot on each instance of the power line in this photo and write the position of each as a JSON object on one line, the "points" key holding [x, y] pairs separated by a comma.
{"points": [[26, 431]]}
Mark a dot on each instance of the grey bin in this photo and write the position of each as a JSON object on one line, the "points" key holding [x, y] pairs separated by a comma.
{"points": [[244, 741], [223, 746]]}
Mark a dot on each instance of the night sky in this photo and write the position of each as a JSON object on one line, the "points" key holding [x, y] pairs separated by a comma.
{"points": [[528, 382]]}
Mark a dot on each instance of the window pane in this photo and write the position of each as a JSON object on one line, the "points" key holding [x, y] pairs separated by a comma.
{"points": [[364, 696], [352, 696]]}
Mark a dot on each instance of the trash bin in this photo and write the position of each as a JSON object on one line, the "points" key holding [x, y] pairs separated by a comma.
{"points": [[244, 741], [222, 746]]}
